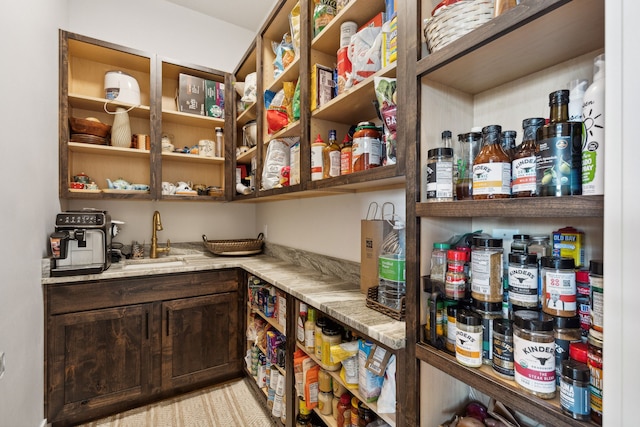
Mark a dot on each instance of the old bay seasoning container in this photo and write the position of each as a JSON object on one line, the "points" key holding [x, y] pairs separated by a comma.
{"points": [[534, 353]]}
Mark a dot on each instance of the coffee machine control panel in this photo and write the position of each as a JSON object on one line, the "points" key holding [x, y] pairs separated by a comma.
{"points": [[81, 219]]}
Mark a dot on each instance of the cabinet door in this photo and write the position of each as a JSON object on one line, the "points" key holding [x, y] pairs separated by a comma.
{"points": [[98, 359], [199, 340]]}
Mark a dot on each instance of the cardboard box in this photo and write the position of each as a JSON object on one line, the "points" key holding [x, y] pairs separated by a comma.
{"points": [[376, 21], [389, 53], [190, 94], [214, 99], [321, 85]]}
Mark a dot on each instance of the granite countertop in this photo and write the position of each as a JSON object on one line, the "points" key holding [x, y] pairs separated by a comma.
{"points": [[330, 293]]}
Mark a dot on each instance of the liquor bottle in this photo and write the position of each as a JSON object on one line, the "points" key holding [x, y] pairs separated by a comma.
{"points": [[593, 147], [559, 151], [331, 156], [491, 167], [523, 166]]}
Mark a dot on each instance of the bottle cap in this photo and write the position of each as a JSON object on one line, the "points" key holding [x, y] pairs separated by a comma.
{"points": [[559, 263], [319, 139], [598, 67], [446, 134], [559, 97], [533, 320], [595, 267], [578, 351]]}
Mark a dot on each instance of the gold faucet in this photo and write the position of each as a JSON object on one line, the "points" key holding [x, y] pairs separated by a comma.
{"points": [[157, 226]]}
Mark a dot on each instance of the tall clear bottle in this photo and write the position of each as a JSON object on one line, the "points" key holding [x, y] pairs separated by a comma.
{"points": [[391, 267], [468, 147], [559, 151], [593, 146], [492, 167]]}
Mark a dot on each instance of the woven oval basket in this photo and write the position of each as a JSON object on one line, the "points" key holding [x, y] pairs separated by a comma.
{"points": [[234, 247], [455, 20]]}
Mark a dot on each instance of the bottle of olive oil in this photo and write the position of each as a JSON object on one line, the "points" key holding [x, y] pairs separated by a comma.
{"points": [[559, 151]]}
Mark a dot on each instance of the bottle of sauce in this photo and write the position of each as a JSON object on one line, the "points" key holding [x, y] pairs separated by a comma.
{"points": [[331, 157], [593, 148], [523, 166], [346, 166], [508, 142], [559, 151], [317, 161], [310, 331], [492, 167], [367, 147]]}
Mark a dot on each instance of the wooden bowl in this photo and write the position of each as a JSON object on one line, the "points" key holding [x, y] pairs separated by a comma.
{"points": [[89, 127]]}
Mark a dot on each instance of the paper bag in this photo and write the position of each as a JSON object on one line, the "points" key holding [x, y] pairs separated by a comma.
{"points": [[372, 231]]}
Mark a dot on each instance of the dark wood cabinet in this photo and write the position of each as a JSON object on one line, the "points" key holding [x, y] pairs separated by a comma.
{"points": [[116, 344], [199, 338]]}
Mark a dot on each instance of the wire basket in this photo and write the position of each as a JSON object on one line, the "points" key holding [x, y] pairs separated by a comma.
{"points": [[234, 247], [455, 20]]}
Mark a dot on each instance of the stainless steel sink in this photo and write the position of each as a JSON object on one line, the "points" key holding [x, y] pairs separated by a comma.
{"points": [[147, 263]]}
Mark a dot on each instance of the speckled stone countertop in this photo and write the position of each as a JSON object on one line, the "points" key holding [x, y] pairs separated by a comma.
{"points": [[330, 285]]}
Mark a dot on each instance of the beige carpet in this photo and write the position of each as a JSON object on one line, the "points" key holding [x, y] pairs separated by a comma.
{"points": [[227, 405]]}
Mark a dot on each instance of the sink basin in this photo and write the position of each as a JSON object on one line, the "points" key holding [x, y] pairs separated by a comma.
{"points": [[147, 263]]}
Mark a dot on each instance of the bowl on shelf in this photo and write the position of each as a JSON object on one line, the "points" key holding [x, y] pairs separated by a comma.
{"points": [[89, 127]]}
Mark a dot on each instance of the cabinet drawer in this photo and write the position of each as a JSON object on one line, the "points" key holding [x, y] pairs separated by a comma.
{"points": [[108, 293]]}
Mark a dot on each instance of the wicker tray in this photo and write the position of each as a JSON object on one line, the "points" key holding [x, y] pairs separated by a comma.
{"points": [[455, 20], [237, 247], [372, 302]]}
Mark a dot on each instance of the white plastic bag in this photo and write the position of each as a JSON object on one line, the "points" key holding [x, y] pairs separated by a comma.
{"points": [[250, 88], [387, 398], [276, 158]]}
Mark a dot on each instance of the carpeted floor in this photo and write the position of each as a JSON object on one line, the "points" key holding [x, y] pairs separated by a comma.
{"points": [[227, 405]]}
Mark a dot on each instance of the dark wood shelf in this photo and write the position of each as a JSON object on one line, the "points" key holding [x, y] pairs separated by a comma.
{"points": [[530, 207], [537, 39], [547, 412]]}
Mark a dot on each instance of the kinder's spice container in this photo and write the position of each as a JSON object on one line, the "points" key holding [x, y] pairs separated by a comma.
{"points": [[534, 353]]}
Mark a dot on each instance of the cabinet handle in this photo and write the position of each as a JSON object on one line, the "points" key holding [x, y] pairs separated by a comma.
{"points": [[167, 322], [147, 323]]}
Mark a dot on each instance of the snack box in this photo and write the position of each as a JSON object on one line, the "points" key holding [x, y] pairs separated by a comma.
{"points": [[214, 99], [321, 85], [190, 94]]}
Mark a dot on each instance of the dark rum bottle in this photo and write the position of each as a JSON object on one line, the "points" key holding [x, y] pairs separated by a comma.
{"points": [[559, 151]]}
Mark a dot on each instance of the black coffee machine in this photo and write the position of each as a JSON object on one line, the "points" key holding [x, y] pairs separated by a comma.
{"points": [[81, 243]]}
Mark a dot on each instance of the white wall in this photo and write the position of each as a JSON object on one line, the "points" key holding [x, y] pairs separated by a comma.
{"points": [[29, 167]]}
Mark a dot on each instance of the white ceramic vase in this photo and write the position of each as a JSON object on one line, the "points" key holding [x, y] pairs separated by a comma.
{"points": [[121, 129]]}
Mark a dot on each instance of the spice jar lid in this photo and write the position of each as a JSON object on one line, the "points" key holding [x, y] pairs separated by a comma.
{"points": [[566, 322], [519, 258], [439, 245], [469, 136], [560, 263], [440, 151], [595, 267], [582, 276], [487, 306], [487, 242], [595, 337], [366, 125], [521, 237], [575, 370], [456, 255], [469, 318], [321, 322], [533, 320], [452, 310], [331, 329], [578, 351], [540, 237], [503, 326]]}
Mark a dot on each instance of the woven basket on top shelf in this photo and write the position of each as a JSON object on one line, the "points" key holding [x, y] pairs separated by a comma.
{"points": [[455, 20]]}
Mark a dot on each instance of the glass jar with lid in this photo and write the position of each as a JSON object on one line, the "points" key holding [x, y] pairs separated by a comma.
{"points": [[366, 147], [558, 286], [520, 243], [487, 269], [439, 263], [331, 335], [469, 144], [539, 244], [438, 175]]}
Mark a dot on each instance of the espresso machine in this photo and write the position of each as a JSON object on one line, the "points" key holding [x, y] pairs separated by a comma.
{"points": [[81, 243]]}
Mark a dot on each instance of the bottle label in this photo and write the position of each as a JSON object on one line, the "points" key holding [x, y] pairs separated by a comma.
{"points": [[574, 398], [391, 268], [592, 150], [560, 291], [334, 163], [439, 180], [594, 362], [492, 178], [597, 303], [502, 361], [345, 162], [523, 285], [559, 164], [316, 162], [534, 363], [469, 347], [523, 176]]}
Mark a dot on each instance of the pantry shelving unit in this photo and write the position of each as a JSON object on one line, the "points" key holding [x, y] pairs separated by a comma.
{"points": [[499, 73]]}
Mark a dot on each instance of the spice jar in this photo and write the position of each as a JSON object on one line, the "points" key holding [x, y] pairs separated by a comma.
{"points": [[321, 322], [558, 286], [331, 335], [438, 175], [523, 166], [583, 300], [365, 415], [488, 311], [502, 359], [492, 167], [520, 243], [574, 390], [533, 353], [595, 363], [455, 281], [539, 245], [439, 263], [469, 338], [486, 269], [565, 331], [522, 275], [450, 331], [469, 144], [367, 147], [597, 301], [324, 403]]}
